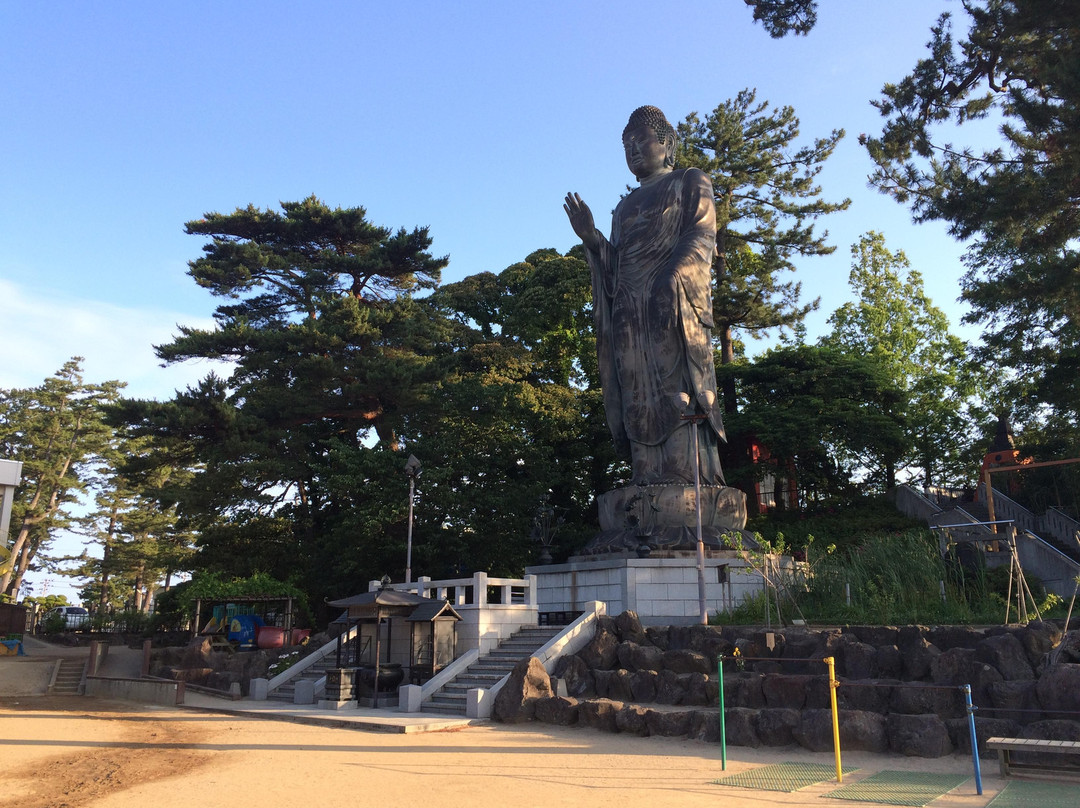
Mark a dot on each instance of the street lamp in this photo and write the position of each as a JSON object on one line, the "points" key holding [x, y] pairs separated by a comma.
{"points": [[412, 471], [545, 523], [695, 420]]}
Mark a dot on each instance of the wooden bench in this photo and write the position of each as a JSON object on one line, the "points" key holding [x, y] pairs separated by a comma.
{"points": [[1005, 746]]}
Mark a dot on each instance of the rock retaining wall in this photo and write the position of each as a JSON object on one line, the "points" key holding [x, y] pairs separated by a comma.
{"points": [[899, 686]]}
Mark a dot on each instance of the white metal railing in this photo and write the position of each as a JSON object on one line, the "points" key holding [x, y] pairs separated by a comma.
{"points": [[476, 592]]}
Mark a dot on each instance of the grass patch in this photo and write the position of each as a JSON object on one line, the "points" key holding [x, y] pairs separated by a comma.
{"points": [[873, 565]]}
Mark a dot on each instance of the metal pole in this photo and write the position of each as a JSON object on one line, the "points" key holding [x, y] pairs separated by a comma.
{"points": [[378, 648], [702, 611], [723, 727], [412, 469], [990, 500], [833, 684], [974, 740], [408, 545]]}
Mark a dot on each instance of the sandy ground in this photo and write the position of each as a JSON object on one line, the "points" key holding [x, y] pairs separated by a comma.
{"points": [[75, 752]]}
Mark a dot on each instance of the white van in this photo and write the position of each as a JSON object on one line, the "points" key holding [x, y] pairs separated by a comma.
{"points": [[74, 616]]}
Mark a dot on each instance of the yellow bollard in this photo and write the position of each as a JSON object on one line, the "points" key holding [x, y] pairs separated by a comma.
{"points": [[833, 684]]}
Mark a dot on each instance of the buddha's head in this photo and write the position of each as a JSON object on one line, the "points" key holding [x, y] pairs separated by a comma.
{"points": [[649, 141]]}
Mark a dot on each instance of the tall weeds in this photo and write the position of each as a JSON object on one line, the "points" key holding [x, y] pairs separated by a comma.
{"points": [[886, 579]]}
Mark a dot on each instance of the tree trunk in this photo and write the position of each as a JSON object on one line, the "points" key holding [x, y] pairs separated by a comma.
{"points": [[727, 356], [106, 551], [23, 537]]}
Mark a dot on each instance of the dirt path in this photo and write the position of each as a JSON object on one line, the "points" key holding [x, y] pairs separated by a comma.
{"points": [[77, 753], [66, 752]]}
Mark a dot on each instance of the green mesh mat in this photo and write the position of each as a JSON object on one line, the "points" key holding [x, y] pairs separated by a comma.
{"points": [[900, 788], [1025, 794], [781, 776]]}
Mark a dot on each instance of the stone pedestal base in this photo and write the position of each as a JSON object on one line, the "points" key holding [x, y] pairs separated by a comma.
{"points": [[340, 684], [336, 704], [646, 518]]}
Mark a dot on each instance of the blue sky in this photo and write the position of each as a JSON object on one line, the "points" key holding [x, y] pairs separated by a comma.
{"points": [[123, 120]]}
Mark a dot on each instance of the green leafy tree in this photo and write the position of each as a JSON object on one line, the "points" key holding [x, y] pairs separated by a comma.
{"points": [[327, 347], [783, 17], [58, 432], [830, 414], [893, 320], [525, 394], [46, 602], [1017, 199], [141, 543], [767, 201]]}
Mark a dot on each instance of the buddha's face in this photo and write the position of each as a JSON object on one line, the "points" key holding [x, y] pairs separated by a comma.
{"points": [[645, 155]]}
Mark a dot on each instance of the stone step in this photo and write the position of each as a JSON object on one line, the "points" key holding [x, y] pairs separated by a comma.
{"points": [[443, 709], [451, 697], [490, 668], [510, 657], [479, 679], [465, 687], [68, 677]]}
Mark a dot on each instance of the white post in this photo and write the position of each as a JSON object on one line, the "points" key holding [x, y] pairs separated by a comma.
{"points": [[530, 591], [480, 587], [10, 474]]}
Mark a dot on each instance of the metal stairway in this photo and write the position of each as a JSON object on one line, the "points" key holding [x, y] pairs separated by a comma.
{"points": [[489, 669]]}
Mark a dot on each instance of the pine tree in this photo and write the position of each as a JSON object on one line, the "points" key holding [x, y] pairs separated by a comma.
{"points": [[329, 352], [766, 204], [58, 432], [1018, 200]]}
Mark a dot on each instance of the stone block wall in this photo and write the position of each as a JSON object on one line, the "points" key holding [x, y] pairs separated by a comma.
{"points": [[899, 686]]}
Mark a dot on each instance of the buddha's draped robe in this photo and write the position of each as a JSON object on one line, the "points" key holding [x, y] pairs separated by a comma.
{"points": [[652, 304]]}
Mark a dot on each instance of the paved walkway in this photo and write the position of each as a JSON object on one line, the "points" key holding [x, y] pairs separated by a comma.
{"points": [[362, 718], [123, 662]]}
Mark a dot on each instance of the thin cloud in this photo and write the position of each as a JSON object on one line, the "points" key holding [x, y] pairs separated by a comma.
{"points": [[39, 333]]}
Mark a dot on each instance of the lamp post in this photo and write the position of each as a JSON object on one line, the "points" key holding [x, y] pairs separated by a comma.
{"points": [[703, 614], [545, 523], [412, 471]]}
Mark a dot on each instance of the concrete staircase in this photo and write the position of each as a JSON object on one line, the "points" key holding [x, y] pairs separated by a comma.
{"points": [[287, 690], [489, 669], [68, 681]]}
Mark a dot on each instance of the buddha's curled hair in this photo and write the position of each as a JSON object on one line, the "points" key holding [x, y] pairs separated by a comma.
{"points": [[654, 119]]}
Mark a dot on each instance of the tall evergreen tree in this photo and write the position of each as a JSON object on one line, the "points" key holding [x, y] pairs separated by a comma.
{"points": [[830, 414], [57, 431], [766, 203], [526, 394], [783, 17], [327, 347], [1017, 200], [141, 542]]}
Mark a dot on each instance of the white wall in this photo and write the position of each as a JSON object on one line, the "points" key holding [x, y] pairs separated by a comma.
{"points": [[660, 590]]}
